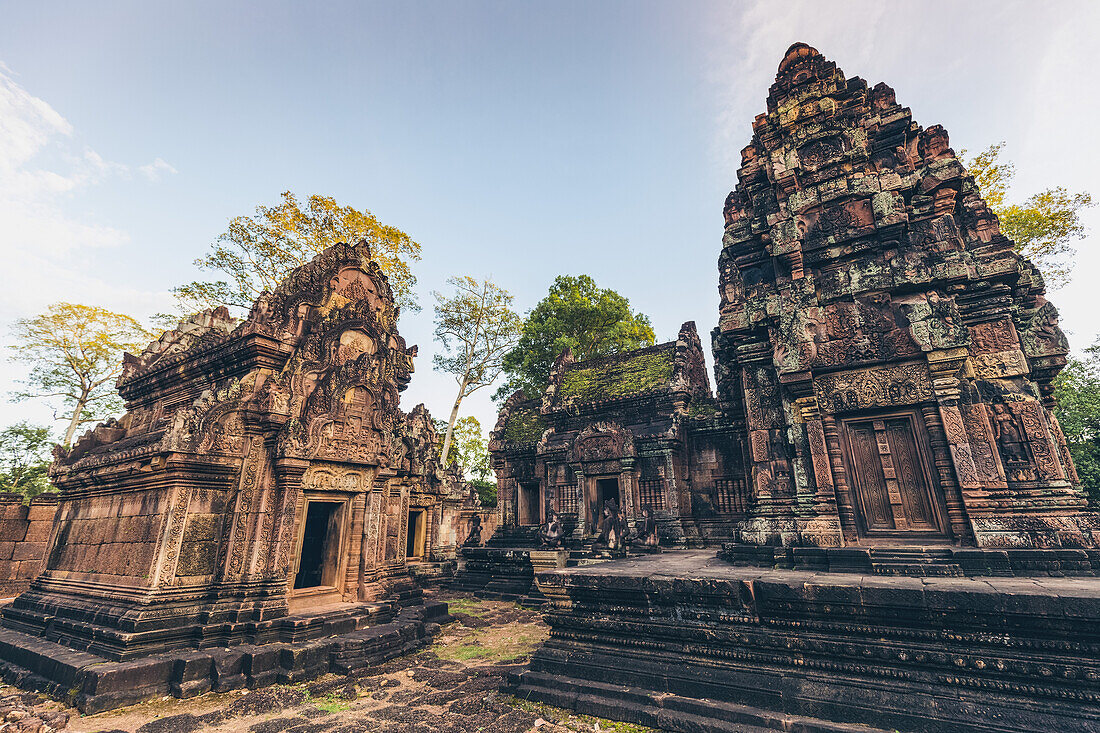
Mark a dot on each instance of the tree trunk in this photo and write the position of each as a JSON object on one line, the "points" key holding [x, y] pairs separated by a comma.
{"points": [[75, 422], [451, 422]]}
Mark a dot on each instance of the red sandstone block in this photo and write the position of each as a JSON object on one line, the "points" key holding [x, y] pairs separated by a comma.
{"points": [[38, 513], [38, 532], [6, 550], [29, 551]]}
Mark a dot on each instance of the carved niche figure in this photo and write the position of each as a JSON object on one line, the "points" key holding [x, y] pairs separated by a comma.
{"points": [[1009, 437], [551, 532], [473, 539], [647, 529], [612, 526]]}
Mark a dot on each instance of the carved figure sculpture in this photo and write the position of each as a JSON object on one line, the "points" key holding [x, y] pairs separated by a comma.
{"points": [[551, 532], [1009, 438], [647, 529], [612, 526], [473, 539]]}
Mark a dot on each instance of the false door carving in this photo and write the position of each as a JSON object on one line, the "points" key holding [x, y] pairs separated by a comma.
{"points": [[894, 492]]}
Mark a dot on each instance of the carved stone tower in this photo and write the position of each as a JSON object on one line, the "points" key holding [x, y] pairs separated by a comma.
{"points": [[889, 352]]}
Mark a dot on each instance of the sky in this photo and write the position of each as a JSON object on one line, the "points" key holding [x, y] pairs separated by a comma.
{"points": [[515, 140]]}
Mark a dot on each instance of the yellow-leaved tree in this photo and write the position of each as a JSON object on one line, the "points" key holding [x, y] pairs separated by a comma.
{"points": [[75, 355], [1042, 226], [258, 251]]}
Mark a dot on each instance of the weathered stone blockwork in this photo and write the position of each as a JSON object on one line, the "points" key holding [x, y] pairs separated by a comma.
{"points": [[263, 469], [683, 642], [24, 539]]}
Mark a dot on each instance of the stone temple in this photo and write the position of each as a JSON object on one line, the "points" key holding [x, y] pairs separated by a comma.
{"points": [[264, 487], [883, 362], [904, 541], [871, 524]]}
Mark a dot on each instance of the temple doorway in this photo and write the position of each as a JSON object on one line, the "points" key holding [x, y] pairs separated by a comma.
{"points": [[415, 544], [318, 555], [600, 491], [528, 500], [894, 492]]}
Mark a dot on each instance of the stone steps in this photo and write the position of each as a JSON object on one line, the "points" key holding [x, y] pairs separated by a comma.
{"points": [[666, 712], [920, 562]]}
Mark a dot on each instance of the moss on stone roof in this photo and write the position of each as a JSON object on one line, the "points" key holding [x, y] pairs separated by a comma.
{"points": [[524, 425], [623, 375], [703, 408]]}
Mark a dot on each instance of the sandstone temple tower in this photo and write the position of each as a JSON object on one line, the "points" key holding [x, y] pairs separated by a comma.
{"points": [[890, 355]]}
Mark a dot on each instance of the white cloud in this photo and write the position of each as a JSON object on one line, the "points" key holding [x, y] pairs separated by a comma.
{"points": [[44, 244], [42, 168], [156, 169]]}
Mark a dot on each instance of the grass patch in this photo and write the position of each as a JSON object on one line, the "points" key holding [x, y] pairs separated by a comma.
{"points": [[499, 645], [468, 607]]}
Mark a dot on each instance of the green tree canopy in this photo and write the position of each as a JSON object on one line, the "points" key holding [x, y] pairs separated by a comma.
{"points": [[1077, 389], [25, 459], [469, 448], [75, 355], [576, 313], [258, 251], [1042, 226]]}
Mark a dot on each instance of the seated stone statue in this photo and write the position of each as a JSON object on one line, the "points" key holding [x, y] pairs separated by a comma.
{"points": [[612, 526], [647, 529], [473, 539], [551, 533]]}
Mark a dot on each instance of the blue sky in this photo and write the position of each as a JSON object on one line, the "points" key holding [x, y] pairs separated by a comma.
{"points": [[519, 140]]}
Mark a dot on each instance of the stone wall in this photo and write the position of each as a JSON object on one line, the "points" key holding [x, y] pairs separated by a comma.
{"points": [[24, 538]]}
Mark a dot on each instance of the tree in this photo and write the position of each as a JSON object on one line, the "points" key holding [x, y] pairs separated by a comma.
{"points": [[75, 355], [24, 459], [1041, 227], [258, 251], [1077, 389], [577, 314], [477, 327], [469, 448]]}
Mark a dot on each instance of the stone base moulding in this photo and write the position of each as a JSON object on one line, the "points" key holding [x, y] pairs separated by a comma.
{"points": [[686, 642], [94, 684]]}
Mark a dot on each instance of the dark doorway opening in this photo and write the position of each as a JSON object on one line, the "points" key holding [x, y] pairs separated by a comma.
{"points": [[414, 545], [320, 545], [528, 508], [607, 489]]}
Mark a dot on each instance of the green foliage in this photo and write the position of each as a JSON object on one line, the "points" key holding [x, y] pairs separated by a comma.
{"points": [[1077, 390], [25, 459], [623, 377], [477, 327], [75, 355], [257, 252], [577, 314], [469, 448], [486, 491], [1041, 227], [524, 426]]}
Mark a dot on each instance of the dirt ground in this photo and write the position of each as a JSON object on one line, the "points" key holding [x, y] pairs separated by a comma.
{"points": [[450, 686]]}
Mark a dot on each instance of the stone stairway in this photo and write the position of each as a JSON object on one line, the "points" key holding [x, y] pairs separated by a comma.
{"points": [[917, 561]]}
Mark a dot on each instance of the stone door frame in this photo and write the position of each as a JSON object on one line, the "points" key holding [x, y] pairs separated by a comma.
{"points": [[303, 598], [936, 494]]}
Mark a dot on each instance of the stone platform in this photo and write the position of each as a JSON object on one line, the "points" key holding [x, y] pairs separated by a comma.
{"points": [[303, 646], [506, 573], [685, 641]]}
